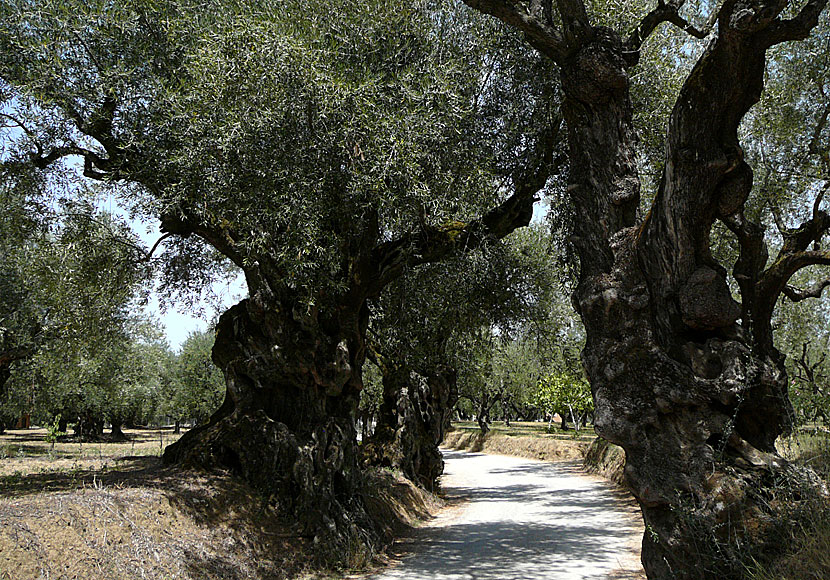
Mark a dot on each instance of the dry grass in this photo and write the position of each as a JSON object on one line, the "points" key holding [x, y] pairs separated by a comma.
{"points": [[805, 518], [541, 430], [113, 511], [607, 460], [529, 440], [26, 451]]}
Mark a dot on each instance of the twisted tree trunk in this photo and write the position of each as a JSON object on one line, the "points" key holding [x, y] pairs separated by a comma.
{"points": [[293, 373], [684, 378], [412, 421], [287, 424]]}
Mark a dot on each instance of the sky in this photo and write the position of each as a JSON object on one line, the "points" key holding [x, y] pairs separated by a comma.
{"points": [[177, 325]]}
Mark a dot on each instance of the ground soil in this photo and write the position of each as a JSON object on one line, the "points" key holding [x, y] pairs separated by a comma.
{"points": [[113, 511], [110, 510]]}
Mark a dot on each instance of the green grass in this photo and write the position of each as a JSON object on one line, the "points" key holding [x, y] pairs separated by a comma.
{"points": [[810, 447]]}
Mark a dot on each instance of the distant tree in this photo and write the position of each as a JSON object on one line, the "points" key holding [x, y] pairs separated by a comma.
{"points": [[565, 395], [74, 278], [803, 334], [422, 335], [24, 227], [147, 370], [199, 386], [91, 280], [532, 331], [371, 398]]}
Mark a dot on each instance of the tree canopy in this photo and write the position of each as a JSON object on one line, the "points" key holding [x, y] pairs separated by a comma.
{"points": [[330, 150]]}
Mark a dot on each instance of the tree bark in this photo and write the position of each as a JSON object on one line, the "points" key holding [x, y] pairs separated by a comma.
{"points": [[5, 374], [287, 424], [695, 397], [677, 383], [89, 427], [412, 421], [116, 431]]}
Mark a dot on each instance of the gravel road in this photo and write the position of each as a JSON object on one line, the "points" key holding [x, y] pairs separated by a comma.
{"points": [[523, 520]]}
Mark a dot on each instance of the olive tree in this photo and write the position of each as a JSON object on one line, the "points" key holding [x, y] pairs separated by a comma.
{"points": [[197, 386], [684, 377], [324, 148]]}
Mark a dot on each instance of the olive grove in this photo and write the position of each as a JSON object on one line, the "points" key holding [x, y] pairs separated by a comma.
{"points": [[329, 150], [324, 151]]}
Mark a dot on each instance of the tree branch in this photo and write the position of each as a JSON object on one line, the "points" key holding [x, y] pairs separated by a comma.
{"points": [[156, 245], [775, 278], [43, 160], [796, 28], [22, 126], [534, 22], [813, 147], [182, 223], [433, 243], [799, 294], [663, 12], [810, 232], [575, 21]]}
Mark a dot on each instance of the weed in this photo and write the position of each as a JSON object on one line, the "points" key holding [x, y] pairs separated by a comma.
{"points": [[790, 540], [652, 534], [53, 431], [15, 478], [803, 528]]}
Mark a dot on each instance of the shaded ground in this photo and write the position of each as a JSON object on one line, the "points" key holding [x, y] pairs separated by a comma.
{"points": [[111, 510], [523, 519], [103, 511], [25, 451]]}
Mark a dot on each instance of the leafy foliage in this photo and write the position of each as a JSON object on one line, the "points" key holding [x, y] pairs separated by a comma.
{"points": [[565, 395], [198, 386], [344, 114]]}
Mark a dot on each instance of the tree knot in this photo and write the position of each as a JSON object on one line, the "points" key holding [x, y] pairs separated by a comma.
{"points": [[706, 302]]}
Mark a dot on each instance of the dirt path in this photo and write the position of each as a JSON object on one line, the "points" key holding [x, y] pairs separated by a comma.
{"points": [[523, 520]]}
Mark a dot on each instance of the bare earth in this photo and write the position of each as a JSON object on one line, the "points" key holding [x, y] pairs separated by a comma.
{"points": [[519, 519]]}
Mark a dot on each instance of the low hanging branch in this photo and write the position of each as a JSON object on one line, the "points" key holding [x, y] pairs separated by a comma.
{"points": [[533, 19]]}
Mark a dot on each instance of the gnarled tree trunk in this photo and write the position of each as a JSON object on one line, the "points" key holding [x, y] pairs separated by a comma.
{"points": [[684, 378], [293, 373], [412, 421], [287, 424]]}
